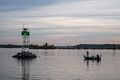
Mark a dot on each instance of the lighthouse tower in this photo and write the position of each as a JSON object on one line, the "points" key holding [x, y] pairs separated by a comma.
{"points": [[25, 54], [25, 33]]}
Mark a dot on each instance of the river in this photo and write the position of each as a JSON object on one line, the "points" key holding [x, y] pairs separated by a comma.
{"points": [[60, 64]]}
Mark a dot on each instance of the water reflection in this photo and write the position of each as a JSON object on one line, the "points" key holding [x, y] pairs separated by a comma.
{"points": [[92, 61], [114, 52], [25, 64], [46, 53]]}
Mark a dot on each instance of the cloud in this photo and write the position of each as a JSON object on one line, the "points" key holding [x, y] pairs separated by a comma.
{"points": [[61, 20]]}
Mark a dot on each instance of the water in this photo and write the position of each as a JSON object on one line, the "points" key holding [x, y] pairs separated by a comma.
{"points": [[60, 65]]}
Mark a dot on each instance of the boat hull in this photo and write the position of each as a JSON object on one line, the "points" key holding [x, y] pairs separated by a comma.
{"points": [[91, 58]]}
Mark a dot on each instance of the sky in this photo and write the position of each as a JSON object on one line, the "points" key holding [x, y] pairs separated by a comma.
{"points": [[61, 22]]}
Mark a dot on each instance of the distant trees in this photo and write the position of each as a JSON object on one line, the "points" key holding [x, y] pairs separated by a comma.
{"points": [[45, 46], [80, 46], [98, 46]]}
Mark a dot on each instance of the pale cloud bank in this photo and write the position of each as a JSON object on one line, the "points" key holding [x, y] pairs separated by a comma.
{"points": [[61, 21]]}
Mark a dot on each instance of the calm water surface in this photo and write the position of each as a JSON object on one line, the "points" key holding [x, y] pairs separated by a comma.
{"points": [[60, 65]]}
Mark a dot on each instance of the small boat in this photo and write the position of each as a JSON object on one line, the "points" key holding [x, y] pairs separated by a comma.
{"points": [[87, 57], [92, 58], [24, 55]]}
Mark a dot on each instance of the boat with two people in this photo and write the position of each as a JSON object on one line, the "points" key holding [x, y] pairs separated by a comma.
{"points": [[87, 57]]}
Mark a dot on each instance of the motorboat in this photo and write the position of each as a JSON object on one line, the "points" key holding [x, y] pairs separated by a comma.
{"points": [[92, 58]]}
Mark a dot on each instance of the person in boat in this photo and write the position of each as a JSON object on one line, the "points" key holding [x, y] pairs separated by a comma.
{"points": [[98, 57], [93, 57], [87, 53]]}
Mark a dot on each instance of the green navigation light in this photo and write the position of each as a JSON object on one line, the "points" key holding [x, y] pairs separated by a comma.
{"points": [[25, 33]]}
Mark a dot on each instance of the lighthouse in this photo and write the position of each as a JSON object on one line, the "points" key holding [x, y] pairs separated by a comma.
{"points": [[25, 53], [25, 33]]}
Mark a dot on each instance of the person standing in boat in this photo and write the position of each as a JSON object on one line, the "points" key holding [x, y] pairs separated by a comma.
{"points": [[87, 53]]}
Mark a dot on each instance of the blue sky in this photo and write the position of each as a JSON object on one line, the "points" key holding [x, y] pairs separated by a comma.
{"points": [[60, 22]]}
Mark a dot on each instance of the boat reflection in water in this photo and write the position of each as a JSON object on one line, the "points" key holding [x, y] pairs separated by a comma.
{"points": [[92, 58], [92, 61], [25, 64]]}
